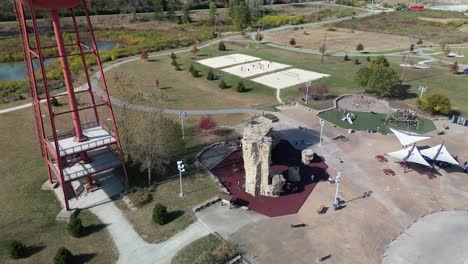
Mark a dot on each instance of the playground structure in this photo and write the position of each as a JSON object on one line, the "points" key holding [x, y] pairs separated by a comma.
{"points": [[404, 118], [348, 116], [87, 148]]}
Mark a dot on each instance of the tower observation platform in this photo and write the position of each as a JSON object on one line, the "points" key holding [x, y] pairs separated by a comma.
{"points": [[89, 155]]}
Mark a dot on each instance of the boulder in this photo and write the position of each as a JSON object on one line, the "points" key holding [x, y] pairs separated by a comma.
{"points": [[293, 174], [307, 155]]}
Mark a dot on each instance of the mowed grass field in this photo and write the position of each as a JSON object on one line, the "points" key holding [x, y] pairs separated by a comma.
{"points": [[182, 91], [408, 23], [28, 214]]}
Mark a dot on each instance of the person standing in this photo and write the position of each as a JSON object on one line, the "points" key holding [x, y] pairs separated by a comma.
{"points": [[465, 167]]}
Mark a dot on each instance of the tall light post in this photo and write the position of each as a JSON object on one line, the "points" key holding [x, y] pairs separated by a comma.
{"points": [[337, 181], [322, 124], [182, 115], [422, 89], [307, 91], [181, 168]]}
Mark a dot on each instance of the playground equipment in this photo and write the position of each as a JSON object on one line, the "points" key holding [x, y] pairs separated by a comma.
{"points": [[75, 143], [348, 116], [404, 117]]}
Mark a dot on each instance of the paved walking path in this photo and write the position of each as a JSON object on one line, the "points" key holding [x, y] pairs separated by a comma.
{"points": [[133, 249]]}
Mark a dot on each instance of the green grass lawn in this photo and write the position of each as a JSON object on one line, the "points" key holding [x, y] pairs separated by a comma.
{"points": [[365, 120], [206, 250], [28, 214], [407, 23], [197, 187]]}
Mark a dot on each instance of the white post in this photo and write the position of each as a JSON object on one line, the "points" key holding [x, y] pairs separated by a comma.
{"points": [[182, 115], [322, 124], [423, 90], [307, 91], [335, 202], [181, 168]]}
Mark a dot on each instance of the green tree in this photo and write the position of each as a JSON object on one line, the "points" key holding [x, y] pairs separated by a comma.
{"points": [[63, 256], [158, 8], [379, 79], [186, 19], [380, 60], [160, 214], [221, 46], [454, 67], [435, 104], [258, 36], [223, 85], [346, 58], [16, 249], [75, 227], [241, 16], [210, 75], [212, 14], [173, 56], [292, 42], [240, 87], [171, 7]]}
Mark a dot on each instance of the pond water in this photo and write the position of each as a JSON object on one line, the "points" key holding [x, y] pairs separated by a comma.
{"points": [[459, 8], [15, 71]]}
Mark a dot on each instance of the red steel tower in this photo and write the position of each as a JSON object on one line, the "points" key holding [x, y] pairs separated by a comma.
{"points": [[89, 146]]}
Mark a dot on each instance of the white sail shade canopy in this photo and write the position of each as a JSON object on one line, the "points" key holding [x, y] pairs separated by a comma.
{"points": [[408, 138], [439, 153], [410, 154]]}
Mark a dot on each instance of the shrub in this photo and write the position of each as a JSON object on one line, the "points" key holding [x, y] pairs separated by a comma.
{"points": [[160, 214], [454, 67], [435, 104], [140, 196], [210, 75], [144, 55], [221, 46], [173, 56], [356, 61], [368, 58], [16, 249], [194, 50], [206, 123], [258, 36], [54, 102], [420, 42], [360, 47], [63, 256], [240, 87], [346, 58], [292, 42], [223, 85], [275, 21], [75, 227]]}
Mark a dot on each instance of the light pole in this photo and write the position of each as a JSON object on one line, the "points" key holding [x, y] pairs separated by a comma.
{"points": [[337, 181], [423, 90], [307, 91], [181, 168], [322, 124], [182, 115]]}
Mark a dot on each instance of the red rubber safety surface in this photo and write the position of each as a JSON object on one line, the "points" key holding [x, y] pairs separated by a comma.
{"points": [[283, 156]]}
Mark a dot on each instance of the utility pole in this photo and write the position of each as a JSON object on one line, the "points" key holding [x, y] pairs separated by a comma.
{"points": [[182, 115], [323, 48], [181, 168], [307, 91], [322, 124], [337, 181]]}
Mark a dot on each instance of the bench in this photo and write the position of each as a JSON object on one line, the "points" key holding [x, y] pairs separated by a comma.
{"points": [[389, 172], [297, 226]]}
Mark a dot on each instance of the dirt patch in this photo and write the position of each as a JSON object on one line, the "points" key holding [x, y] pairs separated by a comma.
{"points": [[339, 39], [364, 103]]}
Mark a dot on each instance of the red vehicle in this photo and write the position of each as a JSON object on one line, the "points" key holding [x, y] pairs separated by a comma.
{"points": [[416, 7]]}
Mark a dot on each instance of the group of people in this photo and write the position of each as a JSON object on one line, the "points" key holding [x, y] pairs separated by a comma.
{"points": [[259, 66]]}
